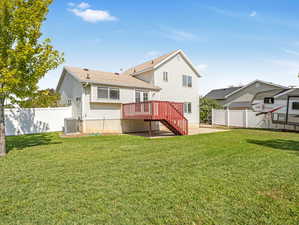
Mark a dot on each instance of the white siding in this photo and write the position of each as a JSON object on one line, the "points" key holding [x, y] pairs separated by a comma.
{"points": [[173, 90], [70, 89], [126, 95]]}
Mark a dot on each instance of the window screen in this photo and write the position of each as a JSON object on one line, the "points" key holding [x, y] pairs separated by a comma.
{"points": [[295, 105], [103, 92], [187, 107], [114, 93]]}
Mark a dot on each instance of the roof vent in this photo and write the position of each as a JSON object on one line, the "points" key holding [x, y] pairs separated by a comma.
{"points": [[85, 69], [134, 70], [87, 76], [116, 73], [152, 61]]}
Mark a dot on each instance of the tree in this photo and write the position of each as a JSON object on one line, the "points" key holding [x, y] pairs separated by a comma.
{"points": [[206, 106], [42, 99], [24, 58]]}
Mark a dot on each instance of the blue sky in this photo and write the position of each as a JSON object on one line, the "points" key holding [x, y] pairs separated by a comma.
{"points": [[231, 42]]}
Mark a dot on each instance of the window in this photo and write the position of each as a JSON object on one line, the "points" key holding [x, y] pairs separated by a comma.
{"points": [[187, 107], [269, 100], [145, 96], [69, 101], [165, 76], [137, 96], [103, 92], [295, 105], [187, 81], [114, 93], [108, 93], [78, 99]]}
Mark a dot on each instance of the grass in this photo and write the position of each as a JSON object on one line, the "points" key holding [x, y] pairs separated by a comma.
{"points": [[237, 177]]}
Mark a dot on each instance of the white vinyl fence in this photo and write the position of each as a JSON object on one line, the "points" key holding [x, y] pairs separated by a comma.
{"points": [[36, 120], [240, 118]]}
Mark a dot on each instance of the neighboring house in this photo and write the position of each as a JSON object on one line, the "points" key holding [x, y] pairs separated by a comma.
{"points": [[283, 105], [241, 97], [167, 86]]}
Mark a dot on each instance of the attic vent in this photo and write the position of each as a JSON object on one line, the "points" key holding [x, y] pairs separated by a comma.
{"points": [[87, 76], [85, 69]]}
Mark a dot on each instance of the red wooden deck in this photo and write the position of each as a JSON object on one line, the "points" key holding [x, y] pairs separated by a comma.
{"points": [[169, 113]]}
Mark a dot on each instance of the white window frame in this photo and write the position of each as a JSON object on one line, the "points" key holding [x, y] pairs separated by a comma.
{"points": [[141, 96], [187, 81], [187, 107], [109, 89], [165, 76], [118, 93]]}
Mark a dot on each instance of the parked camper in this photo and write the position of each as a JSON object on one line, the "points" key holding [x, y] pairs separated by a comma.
{"points": [[283, 105]]}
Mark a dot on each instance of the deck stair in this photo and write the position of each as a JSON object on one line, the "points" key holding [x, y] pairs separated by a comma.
{"points": [[170, 114]]}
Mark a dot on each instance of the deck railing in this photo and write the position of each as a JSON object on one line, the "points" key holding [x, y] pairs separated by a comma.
{"points": [[171, 112]]}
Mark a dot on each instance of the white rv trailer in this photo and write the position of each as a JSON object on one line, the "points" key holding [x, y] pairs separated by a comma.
{"points": [[282, 104]]}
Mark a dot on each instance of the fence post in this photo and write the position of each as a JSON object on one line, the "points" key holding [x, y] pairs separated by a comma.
{"points": [[227, 117], [212, 119], [246, 118]]}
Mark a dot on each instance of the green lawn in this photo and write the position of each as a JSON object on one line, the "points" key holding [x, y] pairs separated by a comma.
{"points": [[238, 177]]}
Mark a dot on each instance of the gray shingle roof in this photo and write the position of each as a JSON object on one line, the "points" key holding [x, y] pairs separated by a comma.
{"points": [[240, 105], [219, 94]]}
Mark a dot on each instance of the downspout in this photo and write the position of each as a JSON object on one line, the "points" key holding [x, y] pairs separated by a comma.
{"points": [[83, 109]]}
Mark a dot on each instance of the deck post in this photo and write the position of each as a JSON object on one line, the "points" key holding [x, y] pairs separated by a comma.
{"points": [[150, 128]]}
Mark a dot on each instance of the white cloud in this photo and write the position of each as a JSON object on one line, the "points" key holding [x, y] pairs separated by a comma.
{"points": [[90, 15], [292, 52], [253, 14], [93, 16], [202, 67], [83, 5], [179, 35]]}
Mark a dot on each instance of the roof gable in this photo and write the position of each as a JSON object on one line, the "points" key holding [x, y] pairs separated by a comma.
{"points": [[254, 82], [157, 62]]}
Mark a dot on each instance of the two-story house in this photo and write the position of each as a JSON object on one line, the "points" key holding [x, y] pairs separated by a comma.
{"points": [[165, 90]]}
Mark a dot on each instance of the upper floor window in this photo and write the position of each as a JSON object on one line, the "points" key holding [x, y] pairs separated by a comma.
{"points": [[269, 100], [108, 93], [165, 76], [187, 81], [187, 107]]}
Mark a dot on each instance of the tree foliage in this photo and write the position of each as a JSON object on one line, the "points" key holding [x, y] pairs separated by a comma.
{"points": [[42, 99], [24, 57], [206, 106]]}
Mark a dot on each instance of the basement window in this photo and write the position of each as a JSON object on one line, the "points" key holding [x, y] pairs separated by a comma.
{"points": [[187, 107]]}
